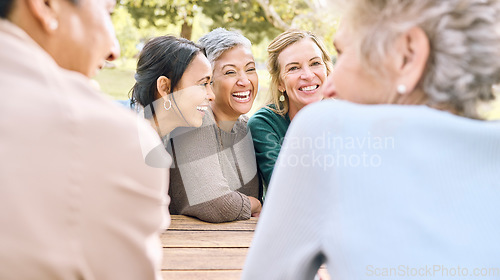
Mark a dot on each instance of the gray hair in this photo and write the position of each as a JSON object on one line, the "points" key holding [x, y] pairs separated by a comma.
{"points": [[464, 37], [220, 40]]}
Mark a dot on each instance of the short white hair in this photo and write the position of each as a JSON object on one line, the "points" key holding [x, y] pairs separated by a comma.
{"points": [[464, 37], [220, 40]]}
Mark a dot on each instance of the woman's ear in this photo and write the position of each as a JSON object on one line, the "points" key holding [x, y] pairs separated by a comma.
{"points": [[45, 11], [281, 87], [162, 86], [413, 53]]}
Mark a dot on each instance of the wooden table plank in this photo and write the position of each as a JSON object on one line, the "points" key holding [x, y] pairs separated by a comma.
{"points": [[204, 239], [204, 258], [201, 275], [180, 222], [197, 250]]}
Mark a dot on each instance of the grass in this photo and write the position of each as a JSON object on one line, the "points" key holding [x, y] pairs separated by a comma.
{"points": [[117, 81]]}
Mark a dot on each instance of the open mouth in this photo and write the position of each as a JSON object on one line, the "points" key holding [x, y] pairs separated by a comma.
{"points": [[202, 108], [243, 96], [309, 89]]}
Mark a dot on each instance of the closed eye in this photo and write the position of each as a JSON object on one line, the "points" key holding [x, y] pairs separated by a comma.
{"points": [[206, 84]]}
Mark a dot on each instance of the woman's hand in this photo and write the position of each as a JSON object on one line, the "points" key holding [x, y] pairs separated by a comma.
{"points": [[255, 206]]}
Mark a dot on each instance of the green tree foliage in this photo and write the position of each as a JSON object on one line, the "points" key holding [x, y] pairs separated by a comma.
{"points": [[244, 15], [162, 13], [257, 19], [127, 34]]}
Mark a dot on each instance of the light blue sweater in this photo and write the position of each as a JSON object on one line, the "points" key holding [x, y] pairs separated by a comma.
{"points": [[381, 192]]}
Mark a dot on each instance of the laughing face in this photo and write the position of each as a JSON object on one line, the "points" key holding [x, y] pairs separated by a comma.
{"points": [[302, 72], [235, 83], [193, 92]]}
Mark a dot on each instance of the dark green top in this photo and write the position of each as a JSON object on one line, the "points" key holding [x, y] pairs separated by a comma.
{"points": [[268, 131]]}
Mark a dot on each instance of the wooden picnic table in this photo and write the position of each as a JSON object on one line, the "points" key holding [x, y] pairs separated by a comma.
{"points": [[193, 249]]}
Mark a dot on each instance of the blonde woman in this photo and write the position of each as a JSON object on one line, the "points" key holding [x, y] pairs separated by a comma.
{"points": [[298, 64]]}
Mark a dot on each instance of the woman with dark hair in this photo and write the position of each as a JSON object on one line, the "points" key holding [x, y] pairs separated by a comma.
{"points": [[78, 201], [172, 86]]}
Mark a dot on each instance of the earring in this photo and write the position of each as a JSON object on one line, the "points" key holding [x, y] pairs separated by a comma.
{"points": [[53, 24], [165, 104], [282, 97], [401, 89]]}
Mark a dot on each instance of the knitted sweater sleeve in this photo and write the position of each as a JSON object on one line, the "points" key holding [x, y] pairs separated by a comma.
{"points": [[202, 185]]}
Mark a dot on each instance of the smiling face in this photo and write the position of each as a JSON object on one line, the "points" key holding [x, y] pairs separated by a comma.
{"points": [[302, 72], [235, 83], [193, 92], [87, 36]]}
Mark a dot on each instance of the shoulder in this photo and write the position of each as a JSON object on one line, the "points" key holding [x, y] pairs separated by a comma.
{"points": [[342, 117], [104, 122], [266, 116], [241, 125], [265, 112], [243, 119]]}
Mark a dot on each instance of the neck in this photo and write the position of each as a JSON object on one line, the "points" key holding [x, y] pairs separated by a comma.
{"points": [[224, 121], [166, 121], [163, 128], [420, 98], [417, 97], [21, 16], [293, 110]]}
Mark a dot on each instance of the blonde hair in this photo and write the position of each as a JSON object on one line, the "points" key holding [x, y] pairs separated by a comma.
{"points": [[464, 37], [274, 49]]}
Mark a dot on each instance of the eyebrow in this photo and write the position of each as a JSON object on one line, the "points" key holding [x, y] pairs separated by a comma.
{"points": [[228, 65], [232, 65], [204, 78]]}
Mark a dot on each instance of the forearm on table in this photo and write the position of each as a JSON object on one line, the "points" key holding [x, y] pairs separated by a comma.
{"points": [[229, 207]]}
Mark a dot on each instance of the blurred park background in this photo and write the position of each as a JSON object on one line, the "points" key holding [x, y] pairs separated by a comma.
{"points": [[136, 21]]}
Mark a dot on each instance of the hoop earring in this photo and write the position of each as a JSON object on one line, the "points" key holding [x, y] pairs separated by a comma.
{"points": [[165, 104]]}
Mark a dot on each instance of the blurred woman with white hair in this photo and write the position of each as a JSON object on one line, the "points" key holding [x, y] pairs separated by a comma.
{"points": [[400, 177]]}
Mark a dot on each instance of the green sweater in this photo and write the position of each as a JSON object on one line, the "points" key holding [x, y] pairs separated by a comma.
{"points": [[268, 131]]}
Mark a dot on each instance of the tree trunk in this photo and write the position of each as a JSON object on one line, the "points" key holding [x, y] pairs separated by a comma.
{"points": [[272, 16], [186, 30]]}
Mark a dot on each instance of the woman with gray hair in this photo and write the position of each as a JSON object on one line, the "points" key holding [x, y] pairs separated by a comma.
{"points": [[214, 177], [406, 188]]}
